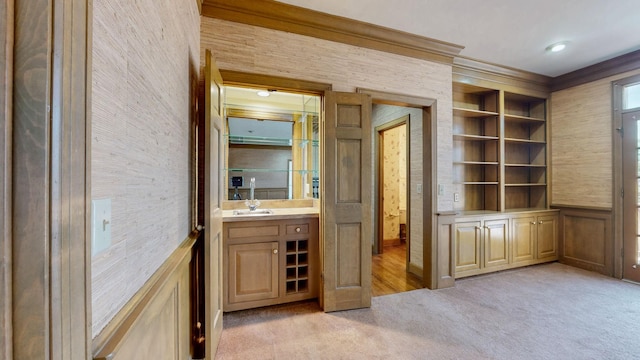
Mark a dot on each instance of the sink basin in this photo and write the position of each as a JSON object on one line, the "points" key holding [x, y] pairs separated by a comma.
{"points": [[254, 212]]}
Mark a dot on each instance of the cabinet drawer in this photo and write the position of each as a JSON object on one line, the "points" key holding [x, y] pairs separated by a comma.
{"points": [[297, 229], [253, 231]]}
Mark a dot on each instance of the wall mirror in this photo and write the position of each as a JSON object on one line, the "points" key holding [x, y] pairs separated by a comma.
{"points": [[271, 136]]}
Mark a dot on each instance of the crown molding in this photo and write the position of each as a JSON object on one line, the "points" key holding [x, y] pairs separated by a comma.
{"points": [[484, 74], [283, 17], [617, 65]]}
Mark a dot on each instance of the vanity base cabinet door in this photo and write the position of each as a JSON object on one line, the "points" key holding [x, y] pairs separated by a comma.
{"points": [[496, 243], [547, 245], [523, 231], [468, 241], [253, 272]]}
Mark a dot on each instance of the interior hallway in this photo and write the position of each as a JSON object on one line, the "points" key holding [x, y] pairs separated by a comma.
{"points": [[389, 274]]}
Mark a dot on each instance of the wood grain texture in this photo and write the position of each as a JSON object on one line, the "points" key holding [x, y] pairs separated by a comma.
{"points": [[581, 126], [144, 55], [612, 67], [6, 108], [586, 239], [6, 101], [253, 49], [389, 272], [30, 188], [154, 324]]}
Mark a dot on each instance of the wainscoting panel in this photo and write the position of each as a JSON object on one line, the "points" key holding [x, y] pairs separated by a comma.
{"points": [[155, 323], [446, 262], [586, 239]]}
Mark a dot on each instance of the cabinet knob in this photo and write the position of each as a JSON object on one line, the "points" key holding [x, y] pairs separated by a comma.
{"points": [[298, 229], [275, 251], [540, 222], [533, 223]]}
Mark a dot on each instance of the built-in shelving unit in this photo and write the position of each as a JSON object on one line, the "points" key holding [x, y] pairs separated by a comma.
{"points": [[476, 144], [499, 149]]}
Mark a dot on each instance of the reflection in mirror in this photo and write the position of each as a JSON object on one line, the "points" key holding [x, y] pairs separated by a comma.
{"points": [[273, 139]]}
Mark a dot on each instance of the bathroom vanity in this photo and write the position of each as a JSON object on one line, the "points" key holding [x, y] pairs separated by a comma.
{"points": [[270, 257]]}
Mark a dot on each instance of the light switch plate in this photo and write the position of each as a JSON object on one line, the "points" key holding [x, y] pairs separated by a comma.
{"points": [[100, 225], [419, 188]]}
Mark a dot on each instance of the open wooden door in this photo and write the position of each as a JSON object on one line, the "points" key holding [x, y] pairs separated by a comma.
{"points": [[214, 195], [346, 206]]}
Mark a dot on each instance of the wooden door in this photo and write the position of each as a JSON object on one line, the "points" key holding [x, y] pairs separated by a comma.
{"points": [[214, 195], [253, 271], [496, 242], [346, 202], [547, 236], [467, 244], [631, 202], [523, 232]]}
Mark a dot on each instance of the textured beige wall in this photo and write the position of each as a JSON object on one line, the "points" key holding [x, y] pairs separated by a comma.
{"points": [[253, 49], [582, 144], [145, 54]]}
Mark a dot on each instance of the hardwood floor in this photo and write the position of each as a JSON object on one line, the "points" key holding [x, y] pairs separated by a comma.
{"points": [[389, 275]]}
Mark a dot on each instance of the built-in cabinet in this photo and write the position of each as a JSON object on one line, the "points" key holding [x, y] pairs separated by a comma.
{"points": [[270, 262], [492, 242], [500, 181]]}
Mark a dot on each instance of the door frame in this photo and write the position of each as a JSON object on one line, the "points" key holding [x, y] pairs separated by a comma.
{"points": [[378, 201], [50, 180], [618, 203], [429, 203]]}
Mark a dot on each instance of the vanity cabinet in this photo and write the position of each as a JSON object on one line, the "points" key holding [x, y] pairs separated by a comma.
{"points": [[481, 244], [270, 262], [488, 242], [535, 238]]}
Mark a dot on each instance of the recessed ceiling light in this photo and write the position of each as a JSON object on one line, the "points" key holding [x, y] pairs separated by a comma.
{"points": [[263, 93], [559, 46]]}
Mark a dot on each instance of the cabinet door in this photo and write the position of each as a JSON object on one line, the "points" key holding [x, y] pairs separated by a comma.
{"points": [[547, 236], [467, 242], [523, 232], [253, 271], [496, 243]]}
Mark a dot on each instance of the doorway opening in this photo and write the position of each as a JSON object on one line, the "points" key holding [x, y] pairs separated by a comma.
{"points": [[627, 98], [392, 240]]}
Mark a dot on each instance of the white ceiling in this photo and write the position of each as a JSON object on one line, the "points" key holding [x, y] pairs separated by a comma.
{"points": [[511, 33]]}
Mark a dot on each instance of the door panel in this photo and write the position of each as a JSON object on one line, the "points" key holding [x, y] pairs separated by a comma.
{"points": [[496, 251], [467, 242], [213, 193], [523, 233], [547, 236], [346, 206], [631, 203], [253, 271]]}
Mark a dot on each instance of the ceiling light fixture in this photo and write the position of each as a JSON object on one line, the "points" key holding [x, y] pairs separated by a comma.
{"points": [[559, 46], [264, 93]]}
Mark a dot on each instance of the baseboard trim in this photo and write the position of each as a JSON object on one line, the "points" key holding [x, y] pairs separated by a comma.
{"points": [[416, 270]]}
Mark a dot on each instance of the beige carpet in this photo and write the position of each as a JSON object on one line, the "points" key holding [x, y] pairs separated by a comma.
{"points": [[548, 311]]}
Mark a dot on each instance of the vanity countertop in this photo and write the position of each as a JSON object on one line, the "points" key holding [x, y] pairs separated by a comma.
{"points": [[278, 214]]}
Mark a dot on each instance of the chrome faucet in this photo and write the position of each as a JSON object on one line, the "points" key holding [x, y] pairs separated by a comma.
{"points": [[252, 203]]}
